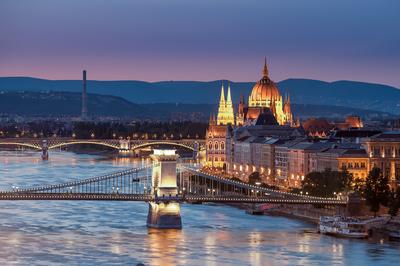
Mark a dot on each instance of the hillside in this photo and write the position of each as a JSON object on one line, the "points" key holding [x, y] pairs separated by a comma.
{"points": [[47, 104], [65, 104], [303, 91]]}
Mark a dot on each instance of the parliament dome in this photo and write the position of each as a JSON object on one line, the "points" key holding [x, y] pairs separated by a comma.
{"points": [[264, 90]]}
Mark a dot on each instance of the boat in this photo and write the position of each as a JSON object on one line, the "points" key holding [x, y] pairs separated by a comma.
{"points": [[394, 235], [254, 211], [342, 227]]}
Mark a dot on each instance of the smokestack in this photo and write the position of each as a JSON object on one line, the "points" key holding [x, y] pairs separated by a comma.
{"points": [[84, 97]]}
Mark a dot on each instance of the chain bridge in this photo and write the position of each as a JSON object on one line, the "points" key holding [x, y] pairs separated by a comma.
{"points": [[122, 145], [164, 184]]}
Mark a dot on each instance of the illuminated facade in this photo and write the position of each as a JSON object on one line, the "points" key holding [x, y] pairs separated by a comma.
{"points": [[383, 151], [217, 130], [356, 162], [216, 144]]}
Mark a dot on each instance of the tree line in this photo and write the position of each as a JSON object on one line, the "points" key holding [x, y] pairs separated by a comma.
{"points": [[375, 188]]}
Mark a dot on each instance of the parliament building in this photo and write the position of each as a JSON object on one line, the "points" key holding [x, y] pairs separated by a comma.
{"points": [[266, 106]]}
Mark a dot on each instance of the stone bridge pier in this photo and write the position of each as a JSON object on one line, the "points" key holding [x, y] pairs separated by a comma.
{"points": [[124, 146], [164, 211]]}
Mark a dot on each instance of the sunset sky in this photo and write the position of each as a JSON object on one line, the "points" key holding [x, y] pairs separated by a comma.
{"points": [[201, 40]]}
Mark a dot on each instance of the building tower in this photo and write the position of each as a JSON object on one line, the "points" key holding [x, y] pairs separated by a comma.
{"points": [[225, 109], [287, 110], [84, 98], [240, 112]]}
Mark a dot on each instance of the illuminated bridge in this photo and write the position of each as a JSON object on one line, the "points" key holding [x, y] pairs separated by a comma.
{"points": [[122, 145], [164, 185]]}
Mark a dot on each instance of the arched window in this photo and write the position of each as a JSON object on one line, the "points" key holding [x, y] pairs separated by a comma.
{"points": [[216, 145], [210, 146], [222, 146]]}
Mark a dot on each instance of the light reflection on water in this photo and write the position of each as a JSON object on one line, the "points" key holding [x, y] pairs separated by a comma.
{"points": [[72, 232]]}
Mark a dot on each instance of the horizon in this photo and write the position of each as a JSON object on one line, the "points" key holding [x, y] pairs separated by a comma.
{"points": [[204, 81], [155, 41]]}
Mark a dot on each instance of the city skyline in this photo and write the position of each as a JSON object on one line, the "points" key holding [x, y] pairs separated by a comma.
{"points": [[204, 41]]}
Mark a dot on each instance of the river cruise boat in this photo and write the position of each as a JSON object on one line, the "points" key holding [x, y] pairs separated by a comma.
{"points": [[342, 227]]}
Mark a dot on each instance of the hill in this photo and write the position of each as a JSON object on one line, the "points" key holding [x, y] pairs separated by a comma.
{"points": [[55, 104], [65, 104], [303, 91]]}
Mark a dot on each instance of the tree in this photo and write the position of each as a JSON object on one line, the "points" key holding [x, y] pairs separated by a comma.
{"points": [[394, 202], [326, 183], [376, 189], [254, 178], [359, 185]]}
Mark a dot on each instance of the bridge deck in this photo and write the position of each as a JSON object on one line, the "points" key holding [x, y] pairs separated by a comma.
{"points": [[148, 197], [75, 196]]}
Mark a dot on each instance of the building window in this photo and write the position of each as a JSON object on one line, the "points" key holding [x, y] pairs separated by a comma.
{"points": [[362, 165], [210, 146], [222, 146], [216, 145]]}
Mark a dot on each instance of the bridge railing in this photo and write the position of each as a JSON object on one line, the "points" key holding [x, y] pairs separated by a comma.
{"points": [[96, 184], [256, 191]]}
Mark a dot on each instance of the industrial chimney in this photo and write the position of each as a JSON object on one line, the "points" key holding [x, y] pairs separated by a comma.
{"points": [[84, 98]]}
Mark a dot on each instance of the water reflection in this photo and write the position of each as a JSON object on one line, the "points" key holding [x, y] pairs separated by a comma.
{"points": [[104, 233], [164, 246]]}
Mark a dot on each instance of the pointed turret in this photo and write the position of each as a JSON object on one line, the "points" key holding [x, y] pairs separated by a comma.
{"points": [[222, 98], [265, 70], [240, 112], [287, 110], [228, 97]]}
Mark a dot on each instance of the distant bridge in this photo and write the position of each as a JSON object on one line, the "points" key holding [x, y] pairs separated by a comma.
{"points": [[122, 145]]}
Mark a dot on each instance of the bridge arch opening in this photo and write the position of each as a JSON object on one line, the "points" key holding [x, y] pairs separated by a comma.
{"points": [[163, 144], [17, 144], [66, 144]]}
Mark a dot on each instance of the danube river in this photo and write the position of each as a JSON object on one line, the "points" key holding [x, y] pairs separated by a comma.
{"points": [[104, 233]]}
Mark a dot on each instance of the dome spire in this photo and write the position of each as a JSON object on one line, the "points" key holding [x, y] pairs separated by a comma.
{"points": [[265, 70]]}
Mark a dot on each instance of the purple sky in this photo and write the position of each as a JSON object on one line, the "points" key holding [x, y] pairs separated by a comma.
{"points": [[201, 40]]}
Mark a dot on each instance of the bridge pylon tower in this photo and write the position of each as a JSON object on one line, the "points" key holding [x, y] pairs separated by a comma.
{"points": [[164, 209], [45, 150]]}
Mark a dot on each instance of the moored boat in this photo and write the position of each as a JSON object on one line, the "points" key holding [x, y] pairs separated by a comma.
{"points": [[342, 227]]}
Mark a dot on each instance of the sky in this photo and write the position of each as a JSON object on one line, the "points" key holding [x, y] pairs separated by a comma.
{"points": [[205, 40]]}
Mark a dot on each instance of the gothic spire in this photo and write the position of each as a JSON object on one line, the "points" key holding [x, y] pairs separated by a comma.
{"points": [[222, 99], [228, 97], [265, 70]]}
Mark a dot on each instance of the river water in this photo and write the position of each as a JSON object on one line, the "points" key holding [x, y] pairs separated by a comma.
{"points": [[110, 233]]}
